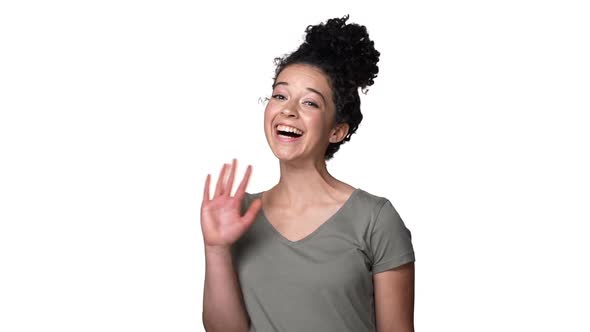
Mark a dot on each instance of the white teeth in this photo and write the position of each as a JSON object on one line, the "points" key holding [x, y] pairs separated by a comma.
{"points": [[289, 129]]}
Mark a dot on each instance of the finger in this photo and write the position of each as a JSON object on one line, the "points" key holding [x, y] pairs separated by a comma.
{"points": [[230, 181], [252, 211], [219, 187], [206, 192], [242, 187]]}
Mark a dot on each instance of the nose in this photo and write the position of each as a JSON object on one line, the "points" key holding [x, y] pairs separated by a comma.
{"points": [[290, 109]]}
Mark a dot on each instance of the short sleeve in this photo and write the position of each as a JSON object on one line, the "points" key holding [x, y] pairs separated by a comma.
{"points": [[390, 240]]}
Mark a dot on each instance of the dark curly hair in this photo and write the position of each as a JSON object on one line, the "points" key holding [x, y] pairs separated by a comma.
{"points": [[347, 56]]}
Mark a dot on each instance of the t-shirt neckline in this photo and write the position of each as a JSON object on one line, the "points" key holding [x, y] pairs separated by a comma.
{"points": [[317, 230]]}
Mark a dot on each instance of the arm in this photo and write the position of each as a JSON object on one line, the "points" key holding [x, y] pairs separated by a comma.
{"points": [[222, 225], [223, 307], [394, 299]]}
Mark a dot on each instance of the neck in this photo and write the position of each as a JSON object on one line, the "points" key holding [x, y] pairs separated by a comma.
{"points": [[302, 183]]}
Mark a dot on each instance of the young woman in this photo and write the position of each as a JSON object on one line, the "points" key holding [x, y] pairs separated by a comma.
{"points": [[312, 253]]}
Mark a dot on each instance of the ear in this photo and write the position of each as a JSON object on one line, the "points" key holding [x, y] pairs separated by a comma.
{"points": [[339, 132]]}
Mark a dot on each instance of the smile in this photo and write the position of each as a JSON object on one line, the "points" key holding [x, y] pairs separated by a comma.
{"points": [[286, 133]]}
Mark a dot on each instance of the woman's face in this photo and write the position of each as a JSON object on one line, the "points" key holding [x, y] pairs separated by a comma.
{"points": [[302, 102]]}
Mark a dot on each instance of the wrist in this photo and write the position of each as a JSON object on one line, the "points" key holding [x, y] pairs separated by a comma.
{"points": [[218, 249]]}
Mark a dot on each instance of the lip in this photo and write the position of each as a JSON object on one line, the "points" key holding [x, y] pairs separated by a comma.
{"points": [[285, 139], [286, 124]]}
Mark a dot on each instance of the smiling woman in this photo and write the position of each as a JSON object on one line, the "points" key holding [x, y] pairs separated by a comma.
{"points": [[335, 60], [299, 114], [312, 253]]}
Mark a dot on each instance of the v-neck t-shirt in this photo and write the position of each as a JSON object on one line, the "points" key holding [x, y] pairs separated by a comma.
{"points": [[324, 281]]}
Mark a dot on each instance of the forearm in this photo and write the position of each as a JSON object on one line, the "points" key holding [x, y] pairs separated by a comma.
{"points": [[223, 306]]}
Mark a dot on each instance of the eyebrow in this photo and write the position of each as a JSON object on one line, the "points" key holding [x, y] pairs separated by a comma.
{"points": [[310, 89]]}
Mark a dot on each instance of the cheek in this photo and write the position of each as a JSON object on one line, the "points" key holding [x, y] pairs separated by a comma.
{"points": [[267, 114], [268, 117], [317, 122], [270, 108]]}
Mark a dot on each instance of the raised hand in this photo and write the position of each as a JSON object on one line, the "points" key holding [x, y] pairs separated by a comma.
{"points": [[221, 222]]}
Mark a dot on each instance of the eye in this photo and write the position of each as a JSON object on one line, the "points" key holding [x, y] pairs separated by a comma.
{"points": [[279, 96], [311, 103]]}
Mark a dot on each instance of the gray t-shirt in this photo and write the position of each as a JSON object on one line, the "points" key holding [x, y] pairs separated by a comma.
{"points": [[323, 282]]}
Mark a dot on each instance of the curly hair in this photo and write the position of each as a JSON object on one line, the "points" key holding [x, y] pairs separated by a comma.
{"points": [[349, 59]]}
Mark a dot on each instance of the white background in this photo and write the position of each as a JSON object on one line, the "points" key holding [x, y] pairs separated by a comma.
{"points": [[113, 113]]}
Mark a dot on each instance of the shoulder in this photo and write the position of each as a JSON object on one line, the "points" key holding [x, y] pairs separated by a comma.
{"points": [[370, 201], [251, 195], [248, 196], [377, 209], [247, 199]]}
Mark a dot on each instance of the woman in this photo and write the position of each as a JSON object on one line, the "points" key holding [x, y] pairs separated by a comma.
{"points": [[312, 253]]}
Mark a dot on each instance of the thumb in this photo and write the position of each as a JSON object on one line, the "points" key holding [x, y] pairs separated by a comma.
{"points": [[252, 211]]}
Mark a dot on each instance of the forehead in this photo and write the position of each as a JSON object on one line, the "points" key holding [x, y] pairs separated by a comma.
{"points": [[305, 76]]}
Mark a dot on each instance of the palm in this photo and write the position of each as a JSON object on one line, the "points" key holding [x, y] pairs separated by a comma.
{"points": [[221, 222]]}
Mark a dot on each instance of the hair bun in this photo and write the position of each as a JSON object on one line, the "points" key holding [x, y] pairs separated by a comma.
{"points": [[348, 47]]}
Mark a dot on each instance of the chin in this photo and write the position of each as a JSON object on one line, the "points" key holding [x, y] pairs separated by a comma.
{"points": [[285, 156]]}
